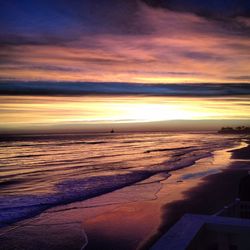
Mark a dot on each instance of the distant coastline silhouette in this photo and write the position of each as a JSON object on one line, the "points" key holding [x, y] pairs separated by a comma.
{"points": [[237, 130]]}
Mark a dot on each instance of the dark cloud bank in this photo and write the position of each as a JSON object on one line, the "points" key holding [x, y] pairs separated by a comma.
{"points": [[87, 88], [55, 18]]}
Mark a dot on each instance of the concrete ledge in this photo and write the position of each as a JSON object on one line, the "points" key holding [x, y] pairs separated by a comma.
{"points": [[186, 230]]}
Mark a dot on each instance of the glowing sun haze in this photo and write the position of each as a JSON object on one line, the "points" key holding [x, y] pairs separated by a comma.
{"points": [[52, 112]]}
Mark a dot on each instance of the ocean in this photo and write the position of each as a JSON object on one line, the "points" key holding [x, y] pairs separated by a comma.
{"points": [[42, 171]]}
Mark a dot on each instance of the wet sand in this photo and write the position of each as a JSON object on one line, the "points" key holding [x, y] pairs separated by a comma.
{"points": [[243, 153], [209, 197], [212, 194], [133, 217]]}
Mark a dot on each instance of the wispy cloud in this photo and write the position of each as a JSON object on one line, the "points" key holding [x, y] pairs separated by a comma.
{"points": [[124, 41]]}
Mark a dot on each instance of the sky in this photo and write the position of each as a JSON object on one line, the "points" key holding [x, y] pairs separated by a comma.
{"points": [[71, 65]]}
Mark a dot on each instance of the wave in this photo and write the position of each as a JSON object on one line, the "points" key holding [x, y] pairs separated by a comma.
{"points": [[54, 144], [166, 149], [183, 163], [127, 164], [79, 142], [187, 156], [24, 156], [13, 209], [4, 183]]}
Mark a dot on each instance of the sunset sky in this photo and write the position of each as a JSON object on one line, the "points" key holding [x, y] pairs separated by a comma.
{"points": [[71, 65]]}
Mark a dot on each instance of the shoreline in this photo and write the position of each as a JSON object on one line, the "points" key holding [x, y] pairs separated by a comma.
{"points": [[218, 194], [243, 153], [140, 216], [135, 177]]}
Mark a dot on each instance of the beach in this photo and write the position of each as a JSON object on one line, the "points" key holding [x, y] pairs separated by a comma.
{"points": [[135, 216], [118, 118]]}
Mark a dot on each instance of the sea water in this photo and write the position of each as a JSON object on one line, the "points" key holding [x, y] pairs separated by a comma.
{"points": [[42, 171]]}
